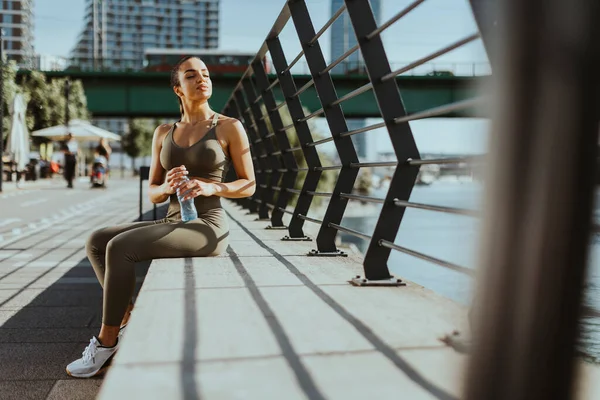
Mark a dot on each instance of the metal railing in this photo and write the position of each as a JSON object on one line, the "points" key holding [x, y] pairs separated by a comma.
{"points": [[499, 357], [253, 102]]}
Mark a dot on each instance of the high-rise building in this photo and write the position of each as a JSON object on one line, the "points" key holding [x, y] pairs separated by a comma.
{"points": [[17, 23], [342, 40], [117, 32]]}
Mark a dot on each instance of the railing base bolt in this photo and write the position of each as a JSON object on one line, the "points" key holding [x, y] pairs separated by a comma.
{"points": [[296, 239], [317, 253], [276, 227], [391, 281]]}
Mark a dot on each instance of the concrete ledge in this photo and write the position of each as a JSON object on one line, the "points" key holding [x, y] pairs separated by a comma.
{"points": [[265, 321]]}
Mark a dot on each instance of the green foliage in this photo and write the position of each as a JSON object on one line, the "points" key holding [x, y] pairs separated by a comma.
{"points": [[328, 178], [77, 100], [364, 181], [9, 89], [138, 141], [45, 99], [40, 108]]}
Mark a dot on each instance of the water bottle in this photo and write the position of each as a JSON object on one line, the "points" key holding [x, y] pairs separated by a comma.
{"points": [[188, 209]]}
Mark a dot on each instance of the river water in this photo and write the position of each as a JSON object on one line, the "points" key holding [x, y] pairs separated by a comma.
{"points": [[454, 238]]}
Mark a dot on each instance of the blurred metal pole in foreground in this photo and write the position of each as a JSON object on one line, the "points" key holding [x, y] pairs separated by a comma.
{"points": [[539, 200]]}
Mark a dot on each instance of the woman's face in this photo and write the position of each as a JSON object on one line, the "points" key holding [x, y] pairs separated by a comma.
{"points": [[194, 80]]}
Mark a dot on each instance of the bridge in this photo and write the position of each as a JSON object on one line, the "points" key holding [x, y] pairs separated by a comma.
{"points": [[148, 94]]}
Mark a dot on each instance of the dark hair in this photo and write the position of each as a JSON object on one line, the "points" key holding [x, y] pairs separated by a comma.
{"points": [[175, 78]]}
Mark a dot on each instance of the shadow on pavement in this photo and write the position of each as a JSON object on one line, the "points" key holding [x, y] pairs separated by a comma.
{"points": [[50, 329]]}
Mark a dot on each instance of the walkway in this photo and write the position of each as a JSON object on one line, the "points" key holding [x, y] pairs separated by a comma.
{"points": [[265, 321]]}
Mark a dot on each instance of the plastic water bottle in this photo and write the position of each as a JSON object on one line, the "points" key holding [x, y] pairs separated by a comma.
{"points": [[188, 209]]}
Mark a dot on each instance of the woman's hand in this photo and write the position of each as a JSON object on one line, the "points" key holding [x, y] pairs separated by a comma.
{"points": [[174, 179], [195, 187]]}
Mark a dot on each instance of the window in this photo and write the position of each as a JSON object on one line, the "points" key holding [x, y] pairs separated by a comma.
{"points": [[7, 18]]}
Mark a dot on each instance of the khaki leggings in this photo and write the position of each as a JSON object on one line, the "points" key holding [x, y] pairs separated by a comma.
{"points": [[113, 252]]}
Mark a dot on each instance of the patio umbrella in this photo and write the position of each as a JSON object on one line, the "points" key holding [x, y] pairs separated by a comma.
{"points": [[18, 141], [81, 130]]}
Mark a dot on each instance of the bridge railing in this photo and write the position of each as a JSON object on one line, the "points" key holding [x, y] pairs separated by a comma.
{"points": [[540, 189], [276, 165]]}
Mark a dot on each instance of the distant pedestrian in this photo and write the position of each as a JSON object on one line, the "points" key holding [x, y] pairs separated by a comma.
{"points": [[104, 150], [71, 149]]}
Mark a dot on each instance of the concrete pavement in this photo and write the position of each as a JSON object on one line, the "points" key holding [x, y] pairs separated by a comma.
{"points": [[50, 300]]}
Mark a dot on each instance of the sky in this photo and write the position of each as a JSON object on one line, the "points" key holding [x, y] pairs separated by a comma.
{"points": [[244, 24]]}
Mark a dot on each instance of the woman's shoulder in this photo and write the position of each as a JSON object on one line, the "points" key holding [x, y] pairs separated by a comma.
{"points": [[229, 123], [225, 120], [162, 130]]}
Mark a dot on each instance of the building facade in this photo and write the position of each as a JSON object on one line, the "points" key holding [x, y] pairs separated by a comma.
{"points": [[342, 40], [116, 32], [17, 23]]}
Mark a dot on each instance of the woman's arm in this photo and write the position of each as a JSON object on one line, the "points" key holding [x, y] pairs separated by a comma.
{"points": [[239, 152], [160, 188]]}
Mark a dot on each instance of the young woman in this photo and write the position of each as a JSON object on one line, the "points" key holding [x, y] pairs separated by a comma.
{"points": [[200, 146]]}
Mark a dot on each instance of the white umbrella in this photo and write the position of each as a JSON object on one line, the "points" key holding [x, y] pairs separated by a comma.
{"points": [[18, 141], [81, 130]]}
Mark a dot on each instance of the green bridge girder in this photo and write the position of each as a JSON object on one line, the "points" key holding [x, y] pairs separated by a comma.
{"points": [[144, 94]]}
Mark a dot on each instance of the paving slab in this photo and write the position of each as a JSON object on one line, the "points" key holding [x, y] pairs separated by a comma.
{"points": [[25, 389], [74, 389]]}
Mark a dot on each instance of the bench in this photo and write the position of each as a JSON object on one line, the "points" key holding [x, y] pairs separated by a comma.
{"points": [[264, 321]]}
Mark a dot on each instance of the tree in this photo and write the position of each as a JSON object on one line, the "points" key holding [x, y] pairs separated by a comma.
{"points": [[9, 89], [137, 142], [46, 101], [40, 106]]}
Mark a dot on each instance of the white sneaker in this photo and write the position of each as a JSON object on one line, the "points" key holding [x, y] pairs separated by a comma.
{"points": [[94, 357]]}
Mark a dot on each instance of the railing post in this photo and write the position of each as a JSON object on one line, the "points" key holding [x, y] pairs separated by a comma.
{"points": [[270, 160], [391, 106], [337, 124], [289, 161], [288, 87]]}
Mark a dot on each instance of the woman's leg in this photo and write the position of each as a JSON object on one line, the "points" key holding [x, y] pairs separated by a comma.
{"points": [[167, 240], [96, 252], [96, 245], [151, 241]]}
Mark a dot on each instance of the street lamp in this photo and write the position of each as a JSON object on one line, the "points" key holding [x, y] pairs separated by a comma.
{"points": [[67, 90]]}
